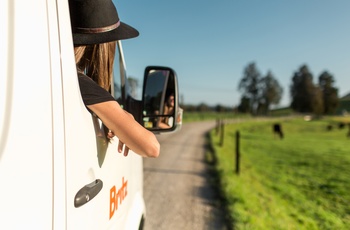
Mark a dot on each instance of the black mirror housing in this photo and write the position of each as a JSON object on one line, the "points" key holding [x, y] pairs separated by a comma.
{"points": [[160, 100]]}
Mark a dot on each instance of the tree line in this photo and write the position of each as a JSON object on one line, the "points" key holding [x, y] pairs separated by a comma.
{"points": [[260, 92]]}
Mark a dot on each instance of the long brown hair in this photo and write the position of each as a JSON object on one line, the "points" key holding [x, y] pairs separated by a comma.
{"points": [[96, 61]]}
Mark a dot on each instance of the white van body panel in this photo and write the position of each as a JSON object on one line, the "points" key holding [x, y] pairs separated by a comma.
{"points": [[48, 149], [25, 165]]}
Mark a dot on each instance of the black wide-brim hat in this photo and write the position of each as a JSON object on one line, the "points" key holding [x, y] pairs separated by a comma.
{"points": [[97, 21]]}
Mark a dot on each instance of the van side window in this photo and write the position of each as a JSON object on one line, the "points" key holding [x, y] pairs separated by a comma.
{"points": [[116, 87]]}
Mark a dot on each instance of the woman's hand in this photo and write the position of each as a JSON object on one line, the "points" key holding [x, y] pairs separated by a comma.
{"points": [[110, 135], [120, 148]]}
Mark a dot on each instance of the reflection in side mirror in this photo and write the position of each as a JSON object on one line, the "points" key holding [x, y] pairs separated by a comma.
{"points": [[160, 99]]}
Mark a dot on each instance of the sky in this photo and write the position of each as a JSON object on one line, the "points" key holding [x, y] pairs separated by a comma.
{"points": [[210, 42]]}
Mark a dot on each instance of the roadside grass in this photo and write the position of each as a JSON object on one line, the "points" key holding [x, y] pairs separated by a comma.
{"points": [[300, 182]]}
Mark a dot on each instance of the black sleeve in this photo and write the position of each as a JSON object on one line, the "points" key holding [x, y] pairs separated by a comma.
{"points": [[91, 92]]}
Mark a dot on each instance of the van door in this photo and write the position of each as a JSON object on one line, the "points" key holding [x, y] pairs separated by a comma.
{"points": [[104, 188]]}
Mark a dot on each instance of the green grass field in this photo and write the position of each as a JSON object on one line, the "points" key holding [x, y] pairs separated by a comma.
{"points": [[300, 182], [202, 116]]}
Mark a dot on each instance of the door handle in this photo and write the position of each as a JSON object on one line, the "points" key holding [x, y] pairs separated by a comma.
{"points": [[87, 193]]}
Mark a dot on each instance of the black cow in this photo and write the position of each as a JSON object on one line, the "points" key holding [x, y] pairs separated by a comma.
{"points": [[329, 127], [341, 125], [277, 130]]}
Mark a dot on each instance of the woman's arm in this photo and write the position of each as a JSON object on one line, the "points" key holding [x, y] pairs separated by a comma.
{"points": [[124, 126]]}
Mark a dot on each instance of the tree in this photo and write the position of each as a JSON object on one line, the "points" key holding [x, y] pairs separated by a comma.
{"points": [[303, 92], [244, 106], [317, 106], [220, 108], [249, 84], [270, 93], [329, 92], [202, 107]]}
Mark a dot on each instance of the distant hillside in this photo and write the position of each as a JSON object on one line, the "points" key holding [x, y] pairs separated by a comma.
{"points": [[344, 105], [281, 111], [345, 98]]}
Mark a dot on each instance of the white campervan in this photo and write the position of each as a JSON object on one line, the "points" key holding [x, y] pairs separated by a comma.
{"points": [[56, 169]]}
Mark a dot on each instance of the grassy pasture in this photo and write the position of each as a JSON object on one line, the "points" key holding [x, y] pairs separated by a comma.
{"points": [[300, 182], [204, 116]]}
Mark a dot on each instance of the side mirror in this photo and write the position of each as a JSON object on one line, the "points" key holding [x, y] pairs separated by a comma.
{"points": [[160, 109]]}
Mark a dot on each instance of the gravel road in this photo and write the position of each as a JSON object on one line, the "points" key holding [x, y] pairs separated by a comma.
{"points": [[176, 184]]}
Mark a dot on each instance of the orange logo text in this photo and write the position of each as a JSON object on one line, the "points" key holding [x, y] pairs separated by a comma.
{"points": [[116, 195]]}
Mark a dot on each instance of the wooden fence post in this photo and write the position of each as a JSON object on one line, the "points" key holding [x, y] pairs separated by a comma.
{"points": [[222, 133], [217, 126], [237, 153]]}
